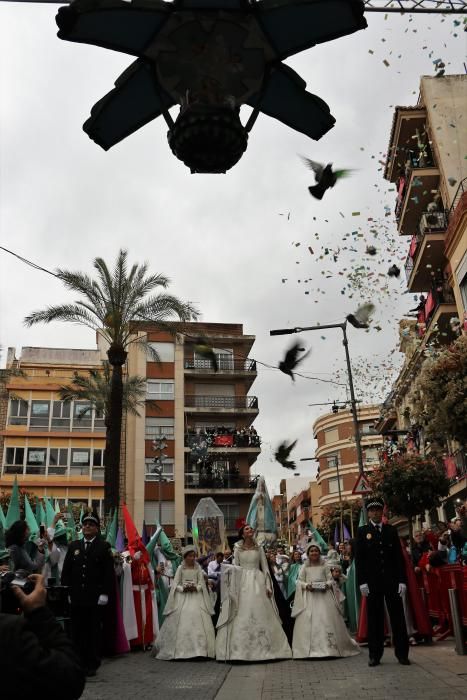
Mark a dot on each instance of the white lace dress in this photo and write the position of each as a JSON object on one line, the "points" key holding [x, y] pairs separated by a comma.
{"points": [[319, 629], [187, 631], [249, 627]]}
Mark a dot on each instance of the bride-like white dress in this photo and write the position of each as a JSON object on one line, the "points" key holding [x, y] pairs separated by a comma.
{"points": [[187, 630], [319, 629], [249, 627]]}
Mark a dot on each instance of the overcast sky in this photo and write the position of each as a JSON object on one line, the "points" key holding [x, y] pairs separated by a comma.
{"points": [[220, 238]]}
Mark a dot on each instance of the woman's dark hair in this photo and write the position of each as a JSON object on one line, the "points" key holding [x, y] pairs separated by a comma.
{"points": [[240, 532], [15, 534]]}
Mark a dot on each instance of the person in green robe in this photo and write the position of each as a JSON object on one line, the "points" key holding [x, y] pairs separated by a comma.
{"points": [[165, 561], [294, 570], [352, 594]]}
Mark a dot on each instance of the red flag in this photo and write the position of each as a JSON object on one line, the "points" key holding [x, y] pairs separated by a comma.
{"points": [[135, 543]]}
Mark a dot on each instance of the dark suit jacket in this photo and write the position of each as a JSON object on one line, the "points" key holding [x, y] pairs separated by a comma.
{"points": [[378, 558], [88, 574]]}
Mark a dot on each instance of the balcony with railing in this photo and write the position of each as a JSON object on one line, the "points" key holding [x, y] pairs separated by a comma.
{"points": [[226, 364], [219, 482], [456, 466], [214, 404], [415, 184], [426, 251], [438, 309], [219, 439]]}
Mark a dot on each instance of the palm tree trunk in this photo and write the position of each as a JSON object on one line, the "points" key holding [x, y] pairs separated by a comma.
{"points": [[117, 358]]}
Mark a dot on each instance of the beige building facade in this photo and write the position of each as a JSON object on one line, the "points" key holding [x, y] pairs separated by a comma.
{"points": [[337, 454]]}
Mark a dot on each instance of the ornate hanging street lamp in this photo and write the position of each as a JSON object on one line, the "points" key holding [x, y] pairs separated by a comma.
{"points": [[210, 57]]}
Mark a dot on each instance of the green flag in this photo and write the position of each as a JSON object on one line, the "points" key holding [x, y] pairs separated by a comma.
{"points": [[2, 517], [317, 537], [30, 519], [49, 512], [159, 537], [71, 525], [13, 513], [111, 535], [363, 520]]}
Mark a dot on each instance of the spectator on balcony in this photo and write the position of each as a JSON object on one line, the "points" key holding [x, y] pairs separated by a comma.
{"points": [[420, 306]]}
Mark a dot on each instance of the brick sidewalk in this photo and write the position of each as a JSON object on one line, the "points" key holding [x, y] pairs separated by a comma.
{"points": [[436, 673]]}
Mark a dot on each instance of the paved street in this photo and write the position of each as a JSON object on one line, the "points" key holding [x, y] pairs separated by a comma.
{"points": [[436, 673]]}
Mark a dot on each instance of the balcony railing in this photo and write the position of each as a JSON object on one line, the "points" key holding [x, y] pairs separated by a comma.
{"points": [[224, 364], [433, 300], [218, 438], [224, 481], [430, 222], [413, 164], [195, 401], [460, 461]]}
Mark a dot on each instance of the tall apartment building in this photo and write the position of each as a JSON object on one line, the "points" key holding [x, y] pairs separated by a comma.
{"points": [[337, 453], [426, 161], [205, 417], [53, 448]]}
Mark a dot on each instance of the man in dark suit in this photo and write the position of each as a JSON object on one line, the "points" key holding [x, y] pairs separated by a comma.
{"points": [[381, 577], [89, 572]]}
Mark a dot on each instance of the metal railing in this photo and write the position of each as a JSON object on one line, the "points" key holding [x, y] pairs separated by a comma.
{"points": [[430, 222], [224, 364], [222, 440], [195, 401], [459, 192], [460, 459], [201, 481]]}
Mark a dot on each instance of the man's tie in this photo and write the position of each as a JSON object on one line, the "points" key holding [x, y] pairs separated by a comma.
{"points": [[86, 545]]}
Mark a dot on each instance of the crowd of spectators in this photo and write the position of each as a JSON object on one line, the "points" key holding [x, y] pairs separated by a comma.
{"points": [[221, 436]]}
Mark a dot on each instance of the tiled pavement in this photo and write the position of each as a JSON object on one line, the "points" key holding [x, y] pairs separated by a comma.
{"points": [[436, 673]]}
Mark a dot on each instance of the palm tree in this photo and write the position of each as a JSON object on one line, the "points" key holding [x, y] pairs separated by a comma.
{"points": [[110, 304]]}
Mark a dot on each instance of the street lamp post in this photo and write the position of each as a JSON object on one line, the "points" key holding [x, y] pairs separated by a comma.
{"points": [[353, 402], [159, 446]]}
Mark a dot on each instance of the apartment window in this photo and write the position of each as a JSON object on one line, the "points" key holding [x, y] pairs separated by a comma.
{"points": [[334, 485], [82, 415], [159, 390], [58, 460], [61, 411], [80, 462], [368, 429], [14, 460], [99, 420], [18, 412], [36, 460], [225, 360], [167, 470], [371, 455], [231, 513], [333, 460], [98, 465], [165, 352], [331, 435], [151, 512], [40, 411], [159, 427]]}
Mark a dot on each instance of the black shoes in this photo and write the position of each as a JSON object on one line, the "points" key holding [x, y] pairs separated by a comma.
{"points": [[404, 662], [373, 662]]}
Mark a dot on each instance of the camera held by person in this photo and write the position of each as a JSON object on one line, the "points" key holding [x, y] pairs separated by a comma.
{"points": [[35, 652]]}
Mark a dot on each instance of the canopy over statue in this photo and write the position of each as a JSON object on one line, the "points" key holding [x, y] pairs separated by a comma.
{"points": [[261, 514], [208, 526]]}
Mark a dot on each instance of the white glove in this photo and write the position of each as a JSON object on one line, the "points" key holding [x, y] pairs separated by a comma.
{"points": [[364, 590], [402, 589], [103, 599]]}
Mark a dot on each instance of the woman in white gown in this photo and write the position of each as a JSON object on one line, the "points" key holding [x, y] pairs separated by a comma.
{"points": [[187, 631], [319, 629], [249, 627]]}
